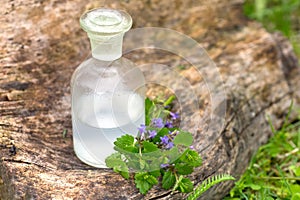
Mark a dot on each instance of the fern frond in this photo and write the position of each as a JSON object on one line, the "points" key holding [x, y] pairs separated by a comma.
{"points": [[208, 183]]}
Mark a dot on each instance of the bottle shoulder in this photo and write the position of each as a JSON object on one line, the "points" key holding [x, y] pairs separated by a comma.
{"points": [[121, 74], [92, 65]]}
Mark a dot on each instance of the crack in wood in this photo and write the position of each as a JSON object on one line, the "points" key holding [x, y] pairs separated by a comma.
{"points": [[27, 163], [161, 196]]}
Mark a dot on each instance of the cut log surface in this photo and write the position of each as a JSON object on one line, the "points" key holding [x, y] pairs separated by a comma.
{"points": [[42, 44]]}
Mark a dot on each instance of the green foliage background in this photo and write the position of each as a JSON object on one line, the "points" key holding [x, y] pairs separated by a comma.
{"points": [[274, 172], [277, 15]]}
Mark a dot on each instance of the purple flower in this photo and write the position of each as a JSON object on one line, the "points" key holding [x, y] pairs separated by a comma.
{"points": [[174, 115], [142, 128], [164, 140], [164, 165], [192, 147], [158, 122], [169, 124], [169, 145], [152, 133]]}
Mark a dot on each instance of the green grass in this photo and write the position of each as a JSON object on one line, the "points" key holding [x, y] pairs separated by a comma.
{"points": [[277, 15], [274, 172]]}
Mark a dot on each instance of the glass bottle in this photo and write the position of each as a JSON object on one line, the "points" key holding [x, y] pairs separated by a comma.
{"points": [[107, 89]]}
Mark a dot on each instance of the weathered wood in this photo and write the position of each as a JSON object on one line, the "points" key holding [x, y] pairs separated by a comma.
{"points": [[41, 45]]}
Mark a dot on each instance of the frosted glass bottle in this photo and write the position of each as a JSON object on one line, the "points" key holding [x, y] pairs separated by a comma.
{"points": [[107, 90]]}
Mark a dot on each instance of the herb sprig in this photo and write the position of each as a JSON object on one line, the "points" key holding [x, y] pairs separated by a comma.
{"points": [[160, 151]]}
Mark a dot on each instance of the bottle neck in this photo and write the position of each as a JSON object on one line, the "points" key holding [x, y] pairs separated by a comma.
{"points": [[106, 48]]}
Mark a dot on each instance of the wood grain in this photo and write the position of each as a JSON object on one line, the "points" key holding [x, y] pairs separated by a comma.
{"points": [[41, 45]]}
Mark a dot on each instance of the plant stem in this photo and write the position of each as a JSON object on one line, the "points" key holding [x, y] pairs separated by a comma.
{"points": [[140, 148], [169, 100], [278, 178], [177, 181]]}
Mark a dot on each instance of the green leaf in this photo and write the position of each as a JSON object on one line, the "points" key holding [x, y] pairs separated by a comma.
{"points": [[124, 174], [125, 144], [253, 186], [183, 168], [295, 188], [155, 173], [124, 141], [148, 108], [185, 185], [169, 100], [142, 164], [151, 179], [208, 183], [154, 163], [149, 147], [296, 196], [115, 161], [183, 138], [168, 180], [144, 181], [173, 154], [192, 158], [134, 162], [295, 169], [267, 198]]}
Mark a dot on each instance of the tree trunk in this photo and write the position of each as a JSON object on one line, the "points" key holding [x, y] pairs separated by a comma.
{"points": [[41, 45]]}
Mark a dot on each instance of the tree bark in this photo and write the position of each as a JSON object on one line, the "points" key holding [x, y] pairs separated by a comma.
{"points": [[41, 45]]}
